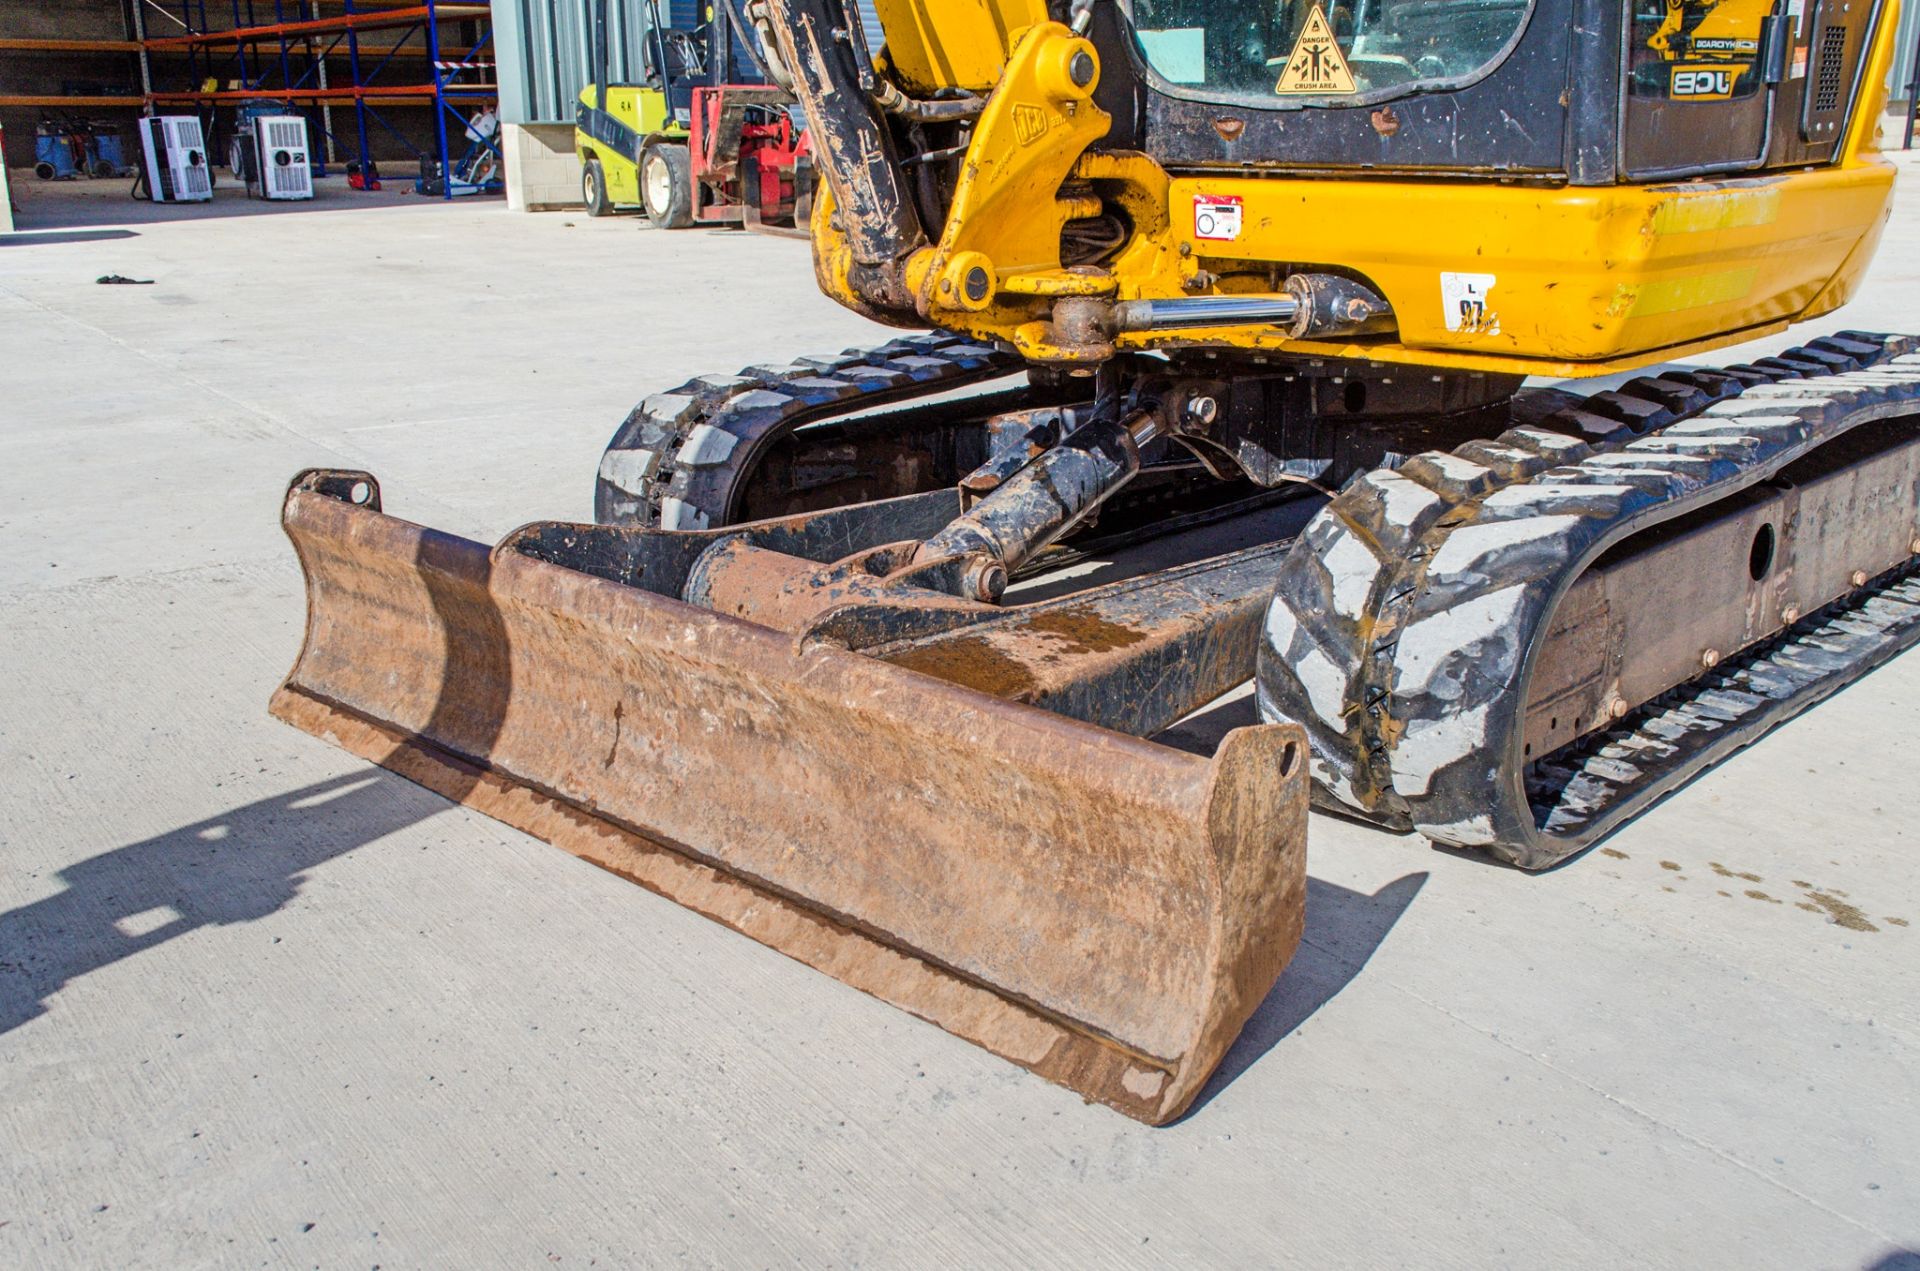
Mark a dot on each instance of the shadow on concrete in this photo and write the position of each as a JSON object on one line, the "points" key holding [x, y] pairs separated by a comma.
{"points": [[1201, 732], [1344, 927], [70, 205], [1898, 1260], [237, 867], [31, 239], [248, 863]]}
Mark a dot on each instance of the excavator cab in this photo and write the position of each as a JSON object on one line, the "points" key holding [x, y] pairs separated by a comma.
{"points": [[854, 661], [1704, 85], [1349, 54]]}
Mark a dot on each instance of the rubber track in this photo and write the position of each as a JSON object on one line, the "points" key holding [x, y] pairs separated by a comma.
{"points": [[1610, 773], [1403, 618], [676, 459]]}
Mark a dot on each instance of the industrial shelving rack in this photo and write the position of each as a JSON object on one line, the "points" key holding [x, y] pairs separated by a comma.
{"points": [[133, 48], [285, 55]]}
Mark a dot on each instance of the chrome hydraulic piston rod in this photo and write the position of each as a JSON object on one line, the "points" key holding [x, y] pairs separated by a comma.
{"points": [[1042, 501]]}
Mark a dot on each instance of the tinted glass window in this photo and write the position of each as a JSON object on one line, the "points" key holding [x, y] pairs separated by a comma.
{"points": [[1280, 50], [1695, 50]]}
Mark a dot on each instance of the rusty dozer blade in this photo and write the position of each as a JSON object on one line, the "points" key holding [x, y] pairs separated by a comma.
{"points": [[1102, 910]]}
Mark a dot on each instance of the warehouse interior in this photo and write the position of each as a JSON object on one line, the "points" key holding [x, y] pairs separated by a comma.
{"points": [[393, 82], [373, 82], [290, 996]]}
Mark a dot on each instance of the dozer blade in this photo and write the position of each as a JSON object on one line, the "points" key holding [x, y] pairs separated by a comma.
{"points": [[1102, 910]]}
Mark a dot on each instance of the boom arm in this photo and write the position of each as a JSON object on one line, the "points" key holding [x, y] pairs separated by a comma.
{"points": [[855, 154]]}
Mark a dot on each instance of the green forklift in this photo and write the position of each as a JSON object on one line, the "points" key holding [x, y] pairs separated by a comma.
{"points": [[707, 137]]}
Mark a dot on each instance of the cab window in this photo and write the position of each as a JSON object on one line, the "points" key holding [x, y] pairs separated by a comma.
{"points": [[1300, 49]]}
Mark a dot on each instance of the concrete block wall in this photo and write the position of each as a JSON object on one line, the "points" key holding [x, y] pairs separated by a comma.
{"points": [[543, 173]]}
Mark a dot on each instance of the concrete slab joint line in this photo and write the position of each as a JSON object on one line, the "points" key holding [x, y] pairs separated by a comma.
{"points": [[263, 1003]]}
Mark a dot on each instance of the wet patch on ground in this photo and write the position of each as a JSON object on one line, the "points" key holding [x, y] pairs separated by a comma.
{"points": [[1839, 910], [1830, 903]]}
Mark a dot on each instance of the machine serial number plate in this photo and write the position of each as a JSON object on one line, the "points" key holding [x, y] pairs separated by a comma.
{"points": [[1464, 300], [1216, 216]]}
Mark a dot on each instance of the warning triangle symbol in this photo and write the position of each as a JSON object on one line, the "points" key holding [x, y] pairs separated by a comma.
{"points": [[1316, 64]]}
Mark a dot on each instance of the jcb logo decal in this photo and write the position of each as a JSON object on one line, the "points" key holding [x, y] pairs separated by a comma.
{"points": [[1711, 85], [1030, 123]]}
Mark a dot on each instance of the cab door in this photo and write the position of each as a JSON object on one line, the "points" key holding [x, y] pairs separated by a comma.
{"points": [[1699, 91], [1827, 44]]}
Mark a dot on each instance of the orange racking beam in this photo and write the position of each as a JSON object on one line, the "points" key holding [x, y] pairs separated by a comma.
{"points": [[15, 100], [322, 26], [369, 92], [368, 52], [69, 46]]}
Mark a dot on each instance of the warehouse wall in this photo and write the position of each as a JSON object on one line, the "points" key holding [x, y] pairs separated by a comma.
{"points": [[546, 54], [545, 58], [59, 74], [1903, 54]]}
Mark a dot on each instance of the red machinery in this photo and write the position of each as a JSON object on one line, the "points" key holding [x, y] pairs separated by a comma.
{"points": [[750, 165]]}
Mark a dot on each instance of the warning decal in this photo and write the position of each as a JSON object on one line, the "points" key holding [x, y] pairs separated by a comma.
{"points": [[1216, 216], [1316, 64]]}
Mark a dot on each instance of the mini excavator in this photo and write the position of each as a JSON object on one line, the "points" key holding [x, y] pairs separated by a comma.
{"points": [[831, 665]]}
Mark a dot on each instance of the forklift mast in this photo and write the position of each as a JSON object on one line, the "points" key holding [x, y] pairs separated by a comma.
{"points": [[682, 51]]}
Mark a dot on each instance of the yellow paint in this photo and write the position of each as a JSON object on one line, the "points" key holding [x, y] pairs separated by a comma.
{"points": [[1730, 209], [935, 44], [1862, 145], [1006, 216], [1734, 261], [1671, 295], [620, 173], [642, 109], [1728, 34]]}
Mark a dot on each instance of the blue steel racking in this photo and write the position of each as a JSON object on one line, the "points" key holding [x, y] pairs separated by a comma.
{"points": [[285, 59]]}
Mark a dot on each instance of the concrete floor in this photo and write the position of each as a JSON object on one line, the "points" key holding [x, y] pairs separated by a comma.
{"points": [[263, 1004]]}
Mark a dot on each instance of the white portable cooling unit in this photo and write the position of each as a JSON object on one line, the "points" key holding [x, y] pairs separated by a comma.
{"points": [[279, 167], [176, 155]]}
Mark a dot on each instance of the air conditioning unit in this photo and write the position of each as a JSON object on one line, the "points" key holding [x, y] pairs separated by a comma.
{"points": [[280, 168], [176, 156]]}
